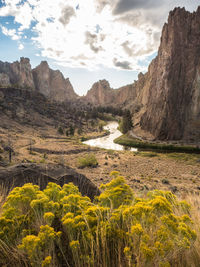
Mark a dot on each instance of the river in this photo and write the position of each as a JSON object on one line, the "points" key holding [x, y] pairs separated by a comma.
{"points": [[107, 141]]}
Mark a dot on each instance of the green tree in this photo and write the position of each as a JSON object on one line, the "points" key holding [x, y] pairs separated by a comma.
{"points": [[80, 131], [60, 130], [126, 123], [71, 130]]}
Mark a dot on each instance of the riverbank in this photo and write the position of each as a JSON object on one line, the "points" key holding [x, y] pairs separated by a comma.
{"points": [[94, 135], [106, 142], [125, 140]]}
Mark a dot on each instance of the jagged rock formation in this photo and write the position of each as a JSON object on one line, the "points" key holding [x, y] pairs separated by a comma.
{"points": [[17, 73], [170, 96], [102, 94], [52, 83]]}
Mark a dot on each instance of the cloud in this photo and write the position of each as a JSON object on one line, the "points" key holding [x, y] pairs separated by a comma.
{"points": [[127, 5], [20, 47], [10, 32], [91, 33], [21, 12], [100, 4], [122, 64], [127, 49], [92, 40], [67, 13]]}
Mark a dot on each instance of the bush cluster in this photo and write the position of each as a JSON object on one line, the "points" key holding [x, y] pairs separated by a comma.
{"points": [[88, 160], [60, 227]]}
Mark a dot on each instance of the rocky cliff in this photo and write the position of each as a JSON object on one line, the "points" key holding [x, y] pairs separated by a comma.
{"points": [[17, 73], [102, 94], [50, 83], [170, 95]]}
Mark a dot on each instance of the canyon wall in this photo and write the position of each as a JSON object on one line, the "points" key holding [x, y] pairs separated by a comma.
{"points": [[170, 96]]}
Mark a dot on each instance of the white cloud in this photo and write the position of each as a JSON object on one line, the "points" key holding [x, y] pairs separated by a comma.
{"points": [[91, 33], [10, 32], [22, 12], [87, 38], [20, 47]]}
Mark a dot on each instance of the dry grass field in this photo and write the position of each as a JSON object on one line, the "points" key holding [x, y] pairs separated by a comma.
{"points": [[178, 172]]}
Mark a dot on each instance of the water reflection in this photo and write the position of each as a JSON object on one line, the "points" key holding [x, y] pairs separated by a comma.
{"points": [[107, 141]]}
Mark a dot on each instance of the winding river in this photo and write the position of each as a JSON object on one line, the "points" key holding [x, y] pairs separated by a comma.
{"points": [[107, 141]]}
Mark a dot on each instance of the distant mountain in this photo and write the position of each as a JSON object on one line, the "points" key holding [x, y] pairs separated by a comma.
{"points": [[102, 94], [50, 83]]}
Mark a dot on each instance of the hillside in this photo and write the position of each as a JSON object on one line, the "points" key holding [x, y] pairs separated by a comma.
{"points": [[31, 108]]}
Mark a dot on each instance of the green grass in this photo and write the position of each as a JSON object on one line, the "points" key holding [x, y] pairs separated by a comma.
{"points": [[88, 161], [190, 158], [133, 142]]}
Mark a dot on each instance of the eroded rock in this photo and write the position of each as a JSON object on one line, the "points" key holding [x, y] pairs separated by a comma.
{"points": [[42, 174], [52, 83]]}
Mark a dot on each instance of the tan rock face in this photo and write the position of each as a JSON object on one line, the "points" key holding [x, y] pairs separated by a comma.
{"points": [[18, 74], [52, 83], [171, 91], [102, 94], [4, 79]]}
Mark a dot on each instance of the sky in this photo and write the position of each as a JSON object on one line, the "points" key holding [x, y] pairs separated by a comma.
{"points": [[87, 40]]}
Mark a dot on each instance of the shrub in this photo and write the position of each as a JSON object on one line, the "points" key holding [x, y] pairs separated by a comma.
{"points": [[88, 161], [60, 130], [60, 227], [126, 122], [71, 130], [79, 131]]}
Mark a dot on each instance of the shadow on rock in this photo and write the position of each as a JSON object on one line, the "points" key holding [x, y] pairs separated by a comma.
{"points": [[42, 174]]}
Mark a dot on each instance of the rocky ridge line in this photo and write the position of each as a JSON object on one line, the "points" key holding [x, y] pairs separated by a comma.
{"points": [[50, 83]]}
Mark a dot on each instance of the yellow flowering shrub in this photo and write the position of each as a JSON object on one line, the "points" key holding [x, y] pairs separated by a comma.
{"points": [[47, 261], [38, 246], [60, 227], [115, 193]]}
